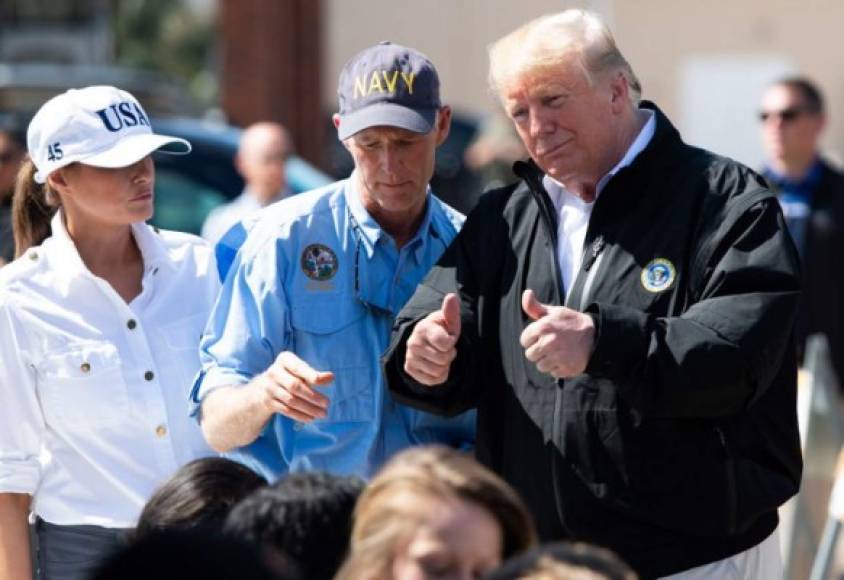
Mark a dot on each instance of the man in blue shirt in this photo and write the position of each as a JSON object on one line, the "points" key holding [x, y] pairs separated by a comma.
{"points": [[291, 375]]}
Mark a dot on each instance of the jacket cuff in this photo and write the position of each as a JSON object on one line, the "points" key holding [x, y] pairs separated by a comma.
{"points": [[621, 339]]}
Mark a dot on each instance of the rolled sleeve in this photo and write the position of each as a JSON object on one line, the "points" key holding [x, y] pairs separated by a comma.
{"points": [[21, 419], [248, 327]]}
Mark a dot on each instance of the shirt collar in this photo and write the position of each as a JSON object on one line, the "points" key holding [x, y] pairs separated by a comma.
{"points": [[153, 250], [807, 182], [639, 143], [369, 230], [555, 189], [250, 199]]}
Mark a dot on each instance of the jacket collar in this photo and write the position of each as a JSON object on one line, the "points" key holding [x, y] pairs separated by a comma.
{"points": [[655, 153]]}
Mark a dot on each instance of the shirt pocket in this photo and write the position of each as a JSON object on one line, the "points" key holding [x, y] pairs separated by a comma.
{"points": [[184, 333], [182, 338], [332, 335], [83, 388]]}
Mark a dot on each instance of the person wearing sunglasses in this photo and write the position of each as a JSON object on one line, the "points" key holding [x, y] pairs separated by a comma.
{"points": [[291, 376], [811, 193], [11, 156]]}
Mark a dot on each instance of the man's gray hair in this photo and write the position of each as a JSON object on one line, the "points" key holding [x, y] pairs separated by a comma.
{"points": [[543, 44]]}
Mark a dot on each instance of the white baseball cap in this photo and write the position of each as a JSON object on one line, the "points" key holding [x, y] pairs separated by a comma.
{"points": [[99, 126]]}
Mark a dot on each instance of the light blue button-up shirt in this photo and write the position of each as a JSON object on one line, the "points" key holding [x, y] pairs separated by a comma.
{"points": [[319, 277]]}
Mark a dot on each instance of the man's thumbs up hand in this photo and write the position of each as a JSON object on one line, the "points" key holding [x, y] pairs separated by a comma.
{"points": [[559, 340], [432, 345]]}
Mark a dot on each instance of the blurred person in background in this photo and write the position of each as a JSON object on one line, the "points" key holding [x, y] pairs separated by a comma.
{"points": [[433, 512], [564, 561], [261, 155], [622, 319], [291, 377], [11, 156], [97, 339], [811, 193], [494, 150], [199, 496], [303, 520]]}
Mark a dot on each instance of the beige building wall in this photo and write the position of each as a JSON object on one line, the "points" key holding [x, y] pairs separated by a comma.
{"points": [[453, 33], [704, 63]]}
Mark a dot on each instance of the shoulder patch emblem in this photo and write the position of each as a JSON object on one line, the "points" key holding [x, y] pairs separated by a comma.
{"points": [[658, 275], [319, 262]]}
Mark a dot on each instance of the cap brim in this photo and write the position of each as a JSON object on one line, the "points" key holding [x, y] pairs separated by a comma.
{"points": [[386, 115], [133, 148]]}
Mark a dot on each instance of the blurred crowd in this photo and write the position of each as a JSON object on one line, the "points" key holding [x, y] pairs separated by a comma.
{"points": [[592, 375]]}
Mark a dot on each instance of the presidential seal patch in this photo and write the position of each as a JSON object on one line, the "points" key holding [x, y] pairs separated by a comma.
{"points": [[319, 262], [658, 275]]}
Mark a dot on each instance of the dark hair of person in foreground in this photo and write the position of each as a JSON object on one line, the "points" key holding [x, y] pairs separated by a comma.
{"points": [[564, 561], [189, 555], [305, 517], [199, 495]]}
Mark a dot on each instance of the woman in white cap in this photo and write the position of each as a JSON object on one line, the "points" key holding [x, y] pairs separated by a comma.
{"points": [[100, 320]]}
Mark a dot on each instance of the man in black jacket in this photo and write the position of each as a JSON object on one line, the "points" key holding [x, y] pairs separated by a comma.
{"points": [[621, 319], [811, 193]]}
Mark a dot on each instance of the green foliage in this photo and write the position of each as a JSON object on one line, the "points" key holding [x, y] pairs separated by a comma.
{"points": [[167, 36]]}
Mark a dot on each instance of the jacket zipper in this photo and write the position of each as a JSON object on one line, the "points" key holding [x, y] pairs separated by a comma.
{"points": [[591, 266], [555, 474], [547, 218], [732, 499]]}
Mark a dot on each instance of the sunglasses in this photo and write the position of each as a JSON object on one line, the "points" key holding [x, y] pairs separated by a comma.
{"points": [[7, 157], [787, 115], [372, 308]]}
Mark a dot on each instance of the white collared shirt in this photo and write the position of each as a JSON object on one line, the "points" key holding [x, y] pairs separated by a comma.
{"points": [[95, 387], [573, 213], [223, 217]]}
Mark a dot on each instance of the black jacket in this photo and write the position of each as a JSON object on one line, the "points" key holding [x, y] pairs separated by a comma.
{"points": [[822, 304], [679, 442]]}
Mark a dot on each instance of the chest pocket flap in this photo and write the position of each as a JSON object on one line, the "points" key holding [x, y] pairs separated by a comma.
{"points": [[82, 387], [334, 334]]}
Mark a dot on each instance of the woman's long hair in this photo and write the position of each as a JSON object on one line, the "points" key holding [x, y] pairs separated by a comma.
{"points": [[33, 206], [386, 514]]}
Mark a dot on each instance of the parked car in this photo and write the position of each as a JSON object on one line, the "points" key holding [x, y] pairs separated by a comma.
{"points": [[187, 187]]}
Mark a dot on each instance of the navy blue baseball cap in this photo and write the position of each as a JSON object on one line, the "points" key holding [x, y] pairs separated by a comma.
{"points": [[388, 85]]}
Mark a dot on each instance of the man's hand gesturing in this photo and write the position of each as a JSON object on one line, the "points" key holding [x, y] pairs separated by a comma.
{"points": [[287, 387]]}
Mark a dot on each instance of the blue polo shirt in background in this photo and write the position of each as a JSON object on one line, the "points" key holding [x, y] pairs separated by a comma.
{"points": [[795, 197], [317, 276]]}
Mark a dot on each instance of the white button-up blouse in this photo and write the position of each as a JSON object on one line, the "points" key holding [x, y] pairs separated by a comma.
{"points": [[93, 391]]}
